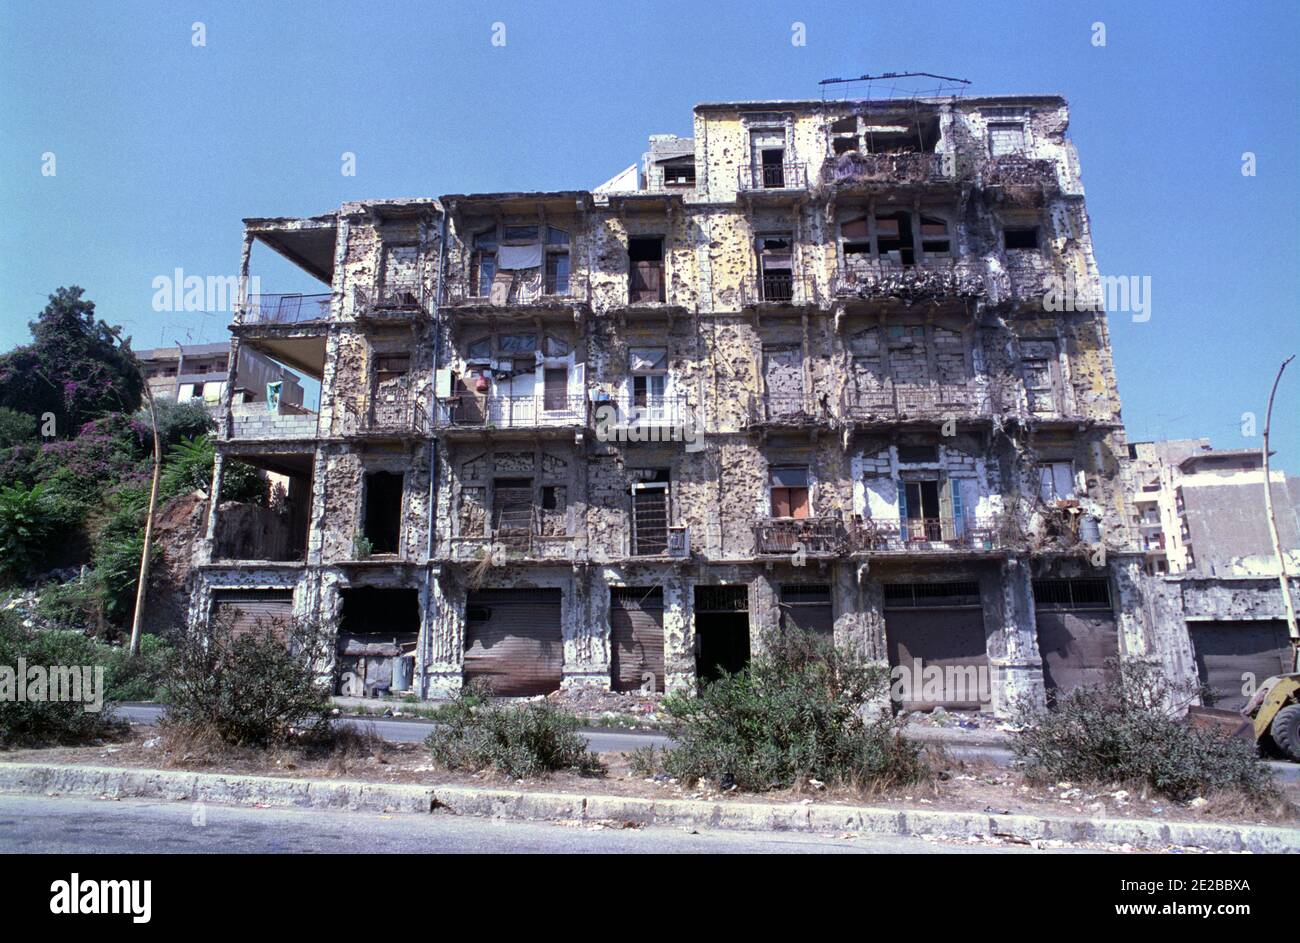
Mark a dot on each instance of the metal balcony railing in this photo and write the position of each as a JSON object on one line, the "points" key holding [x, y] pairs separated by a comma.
{"points": [[967, 532], [286, 308], [518, 532], [868, 277], [789, 175], [526, 287], [394, 300], [779, 286], [632, 412], [813, 535], [533, 411], [398, 417], [789, 409]]}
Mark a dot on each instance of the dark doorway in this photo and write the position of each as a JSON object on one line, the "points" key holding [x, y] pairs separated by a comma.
{"points": [[383, 521], [646, 275], [721, 631]]}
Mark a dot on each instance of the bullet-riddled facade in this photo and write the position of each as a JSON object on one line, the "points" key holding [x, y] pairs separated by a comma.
{"points": [[817, 365]]}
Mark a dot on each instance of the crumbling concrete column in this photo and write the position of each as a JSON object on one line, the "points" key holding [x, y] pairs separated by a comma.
{"points": [[586, 648], [1015, 665], [443, 669], [1128, 576], [679, 633]]}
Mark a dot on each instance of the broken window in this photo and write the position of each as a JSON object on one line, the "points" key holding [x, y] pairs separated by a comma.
{"points": [[1056, 482], [646, 272], [1021, 237], [934, 237], [679, 173], [480, 349], [650, 512], [844, 135], [483, 262], [894, 238], [767, 146], [790, 491], [557, 273], [1039, 370], [512, 507], [517, 343], [383, 511], [389, 367], [519, 234], [556, 388], [856, 237], [918, 454], [649, 369], [1006, 138]]}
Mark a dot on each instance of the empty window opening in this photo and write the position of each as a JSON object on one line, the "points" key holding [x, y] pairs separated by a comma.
{"points": [[934, 237], [790, 492], [894, 238], [913, 595], [856, 237], [721, 630], [512, 507], [1021, 237], [1072, 594], [646, 273], [918, 454], [1056, 481], [383, 515], [679, 174]]}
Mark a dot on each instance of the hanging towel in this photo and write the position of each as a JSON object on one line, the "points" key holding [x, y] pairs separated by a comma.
{"points": [[517, 257]]}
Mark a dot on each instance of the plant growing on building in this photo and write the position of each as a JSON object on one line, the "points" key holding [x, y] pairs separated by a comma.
{"points": [[362, 547], [801, 710], [1125, 731]]}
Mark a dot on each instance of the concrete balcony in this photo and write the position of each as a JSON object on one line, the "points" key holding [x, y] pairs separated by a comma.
{"points": [[768, 410], [512, 544], [811, 536], [527, 290], [391, 303], [777, 289], [878, 172], [255, 421], [861, 276], [904, 403], [1011, 172]]}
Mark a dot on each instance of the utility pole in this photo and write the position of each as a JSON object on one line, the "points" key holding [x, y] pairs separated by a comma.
{"points": [[148, 525], [1283, 577]]}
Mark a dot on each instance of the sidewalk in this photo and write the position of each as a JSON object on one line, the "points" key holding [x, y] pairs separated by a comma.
{"points": [[808, 816]]}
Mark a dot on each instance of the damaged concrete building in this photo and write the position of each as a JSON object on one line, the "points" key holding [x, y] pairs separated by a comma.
{"points": [[794, 370]]}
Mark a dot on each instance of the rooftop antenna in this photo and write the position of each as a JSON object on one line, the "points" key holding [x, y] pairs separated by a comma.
{"points": [[894, 85]]}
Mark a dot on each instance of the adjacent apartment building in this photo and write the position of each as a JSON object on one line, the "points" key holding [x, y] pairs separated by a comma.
{"points": [[794, 370], [199, 372]]}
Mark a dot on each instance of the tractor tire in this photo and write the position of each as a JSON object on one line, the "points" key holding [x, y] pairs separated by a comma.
{"points": [[1285, 731]]}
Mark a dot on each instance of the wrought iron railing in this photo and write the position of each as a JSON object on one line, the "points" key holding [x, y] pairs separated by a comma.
{"points": [[780, 286], [788, 175], [917, 402], [637, 412], [531, 411], [398, 417], [789, 408], [815, 535], [285, 308], [526, 287], [965, 532], [393, 300]]}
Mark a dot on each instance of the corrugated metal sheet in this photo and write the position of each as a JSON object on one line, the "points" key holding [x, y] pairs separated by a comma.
{"points": [[943, 637], [636, 637], [1075, 645], [808, 607], [513, 640], [248, 609], [1228, 652]]}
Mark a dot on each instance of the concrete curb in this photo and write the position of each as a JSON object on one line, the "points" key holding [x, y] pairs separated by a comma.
{"points": [[217, 788]]}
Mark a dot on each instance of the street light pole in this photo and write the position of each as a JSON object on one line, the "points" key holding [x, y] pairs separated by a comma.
{"points": [[1283, 577]]}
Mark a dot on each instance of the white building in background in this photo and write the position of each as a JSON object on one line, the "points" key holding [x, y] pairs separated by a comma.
{"points": [[201, 371]]}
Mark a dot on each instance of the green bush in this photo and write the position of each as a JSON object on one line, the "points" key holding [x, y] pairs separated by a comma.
{"points": [[178, 421], [1123, 731], [799, 711], [16, 428], [520, 741], [255, 688], [30, 520], [46, 723], [188, 467], [138, 678]]}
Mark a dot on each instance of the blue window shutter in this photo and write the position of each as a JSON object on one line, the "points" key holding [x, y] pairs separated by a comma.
{"points": [[902, 508], [958, 518]]}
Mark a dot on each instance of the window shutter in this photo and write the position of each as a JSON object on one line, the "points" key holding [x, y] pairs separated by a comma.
{"points": [[798, 502], [902, 509], [780, 502]]}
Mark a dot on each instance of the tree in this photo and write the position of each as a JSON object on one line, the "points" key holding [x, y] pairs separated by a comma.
{"points": [[77, 367]]}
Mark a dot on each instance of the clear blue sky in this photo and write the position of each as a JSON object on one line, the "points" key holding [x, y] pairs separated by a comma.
{"points": [[163, 147]]}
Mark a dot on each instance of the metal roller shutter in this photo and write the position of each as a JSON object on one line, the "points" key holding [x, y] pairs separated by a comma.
{"points": [[248, 609], [513, 640], [1227, 652], [938, 625], [1076, 632], [636, 637]]}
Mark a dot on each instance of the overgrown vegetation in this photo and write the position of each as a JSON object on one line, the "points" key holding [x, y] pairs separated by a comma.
{"points": [[256, 687], [521, 741], [43, 722], [1125, 731], [801, 710]]}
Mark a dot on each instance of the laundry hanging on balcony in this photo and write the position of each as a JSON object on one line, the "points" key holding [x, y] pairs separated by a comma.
{"points": [[519, 257]]}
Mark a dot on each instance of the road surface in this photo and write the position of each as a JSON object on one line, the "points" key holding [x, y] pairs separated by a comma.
{"points": [[61, 825]]}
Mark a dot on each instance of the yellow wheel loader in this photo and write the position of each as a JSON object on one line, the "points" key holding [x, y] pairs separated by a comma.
{"points": [[1274, 713]]}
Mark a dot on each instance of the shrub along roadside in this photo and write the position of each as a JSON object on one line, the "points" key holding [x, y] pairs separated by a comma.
{"points": [[253, 688], [521, 741], [1124, 731], [800, 711], [34, 723]]}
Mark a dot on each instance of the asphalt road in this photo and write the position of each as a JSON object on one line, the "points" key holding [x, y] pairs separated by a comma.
{"points": [[60, 825], [415, 729]]}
